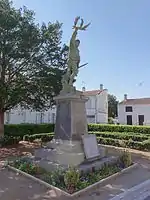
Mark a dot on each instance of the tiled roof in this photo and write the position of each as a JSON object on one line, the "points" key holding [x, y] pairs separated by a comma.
{"points": [[136, 101], [92, 92]]}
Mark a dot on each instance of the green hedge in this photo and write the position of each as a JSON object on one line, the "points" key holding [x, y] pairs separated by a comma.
{"points": [[143, 145], [9, 140], [119, 128], [30, 129], [27, 129], [110, 135], [45, 137], [123, 136]]}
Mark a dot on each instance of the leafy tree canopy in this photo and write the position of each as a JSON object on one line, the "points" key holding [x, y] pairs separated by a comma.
{"points": [[112, 106], [32, 59]]}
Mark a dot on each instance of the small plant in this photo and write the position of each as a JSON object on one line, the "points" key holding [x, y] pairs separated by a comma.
{"points": [[27, 167], [9, 140], [71, 179], [55, 178], [125, 159]]}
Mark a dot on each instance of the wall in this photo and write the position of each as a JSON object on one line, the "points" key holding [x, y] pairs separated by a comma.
{"points": [[137, 110], [102, 107], [96, 109], [18, 116]]}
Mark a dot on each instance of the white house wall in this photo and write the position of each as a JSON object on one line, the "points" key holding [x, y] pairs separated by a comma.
{"points": [[97, 106], [137, 110], [96, 109], [102, 107]]}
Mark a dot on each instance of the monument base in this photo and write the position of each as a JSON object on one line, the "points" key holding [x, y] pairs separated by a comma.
{"points": [[62, 152], [51, 160], [71, 146]]}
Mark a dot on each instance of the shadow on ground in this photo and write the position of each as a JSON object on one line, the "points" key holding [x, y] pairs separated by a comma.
{"points": [[16, 187]]}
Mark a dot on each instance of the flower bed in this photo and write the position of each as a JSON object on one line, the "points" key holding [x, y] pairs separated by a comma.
{"points": [[73, 180]]}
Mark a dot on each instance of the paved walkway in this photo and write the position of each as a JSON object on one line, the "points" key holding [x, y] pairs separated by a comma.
{"points": [[120, 184], [17, 187], [139, 192]]}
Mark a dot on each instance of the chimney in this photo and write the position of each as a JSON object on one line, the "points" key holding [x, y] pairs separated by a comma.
{"points": [[125, 97], [83, 89], [101, 86]]}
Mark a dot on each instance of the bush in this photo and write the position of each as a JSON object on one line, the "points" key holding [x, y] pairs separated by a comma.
{"points": [[71, 179], [27, 129], [112, 135], [119, 128], [45, 137], [110, 120], [145, 145], [122, 136], [9, 140], [103, 139], [30, 129], [125, 159]]}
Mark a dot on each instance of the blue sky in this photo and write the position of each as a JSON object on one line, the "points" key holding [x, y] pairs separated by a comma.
{"points": [[116, 45]]}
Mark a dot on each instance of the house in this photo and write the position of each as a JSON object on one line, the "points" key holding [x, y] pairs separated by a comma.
{"points": [[97, 105], [134, 111], [96, 108]]}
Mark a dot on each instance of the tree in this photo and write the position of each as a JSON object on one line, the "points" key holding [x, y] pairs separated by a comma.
{"points": [[32, 60], [112, 106]]}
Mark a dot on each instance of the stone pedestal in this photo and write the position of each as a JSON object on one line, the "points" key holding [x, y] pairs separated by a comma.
{"points": [[71, 125], [71, 120], [68, 146]]}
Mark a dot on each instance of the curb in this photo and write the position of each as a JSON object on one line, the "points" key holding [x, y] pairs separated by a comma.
{"points": [[76, 194], [61, 192], [132, 151]]}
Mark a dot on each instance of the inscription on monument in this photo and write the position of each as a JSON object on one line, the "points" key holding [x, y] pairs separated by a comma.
{"points": [[90, 146]]}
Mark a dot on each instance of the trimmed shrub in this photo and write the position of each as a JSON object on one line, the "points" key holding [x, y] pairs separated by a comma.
{"points": [[143, 145], [119, 128], [9, 140], [27, 129], [44, 137], [122, 136], [30, 129], [125, 143], [125, 159]]}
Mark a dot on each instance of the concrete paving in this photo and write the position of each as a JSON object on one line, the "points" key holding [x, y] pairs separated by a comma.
{"points": [[122, 183], [139, 192], [17, 187]]}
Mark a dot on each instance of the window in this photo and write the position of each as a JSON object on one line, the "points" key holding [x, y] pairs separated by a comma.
{"points": [[128, 108], [141, 119]]}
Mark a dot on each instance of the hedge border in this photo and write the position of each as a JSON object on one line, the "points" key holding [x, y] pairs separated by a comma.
{"points": [[30, 129], [144, 145]]}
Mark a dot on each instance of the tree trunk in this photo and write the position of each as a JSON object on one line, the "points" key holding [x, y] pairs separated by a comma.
{"points": [[1, 123]]}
